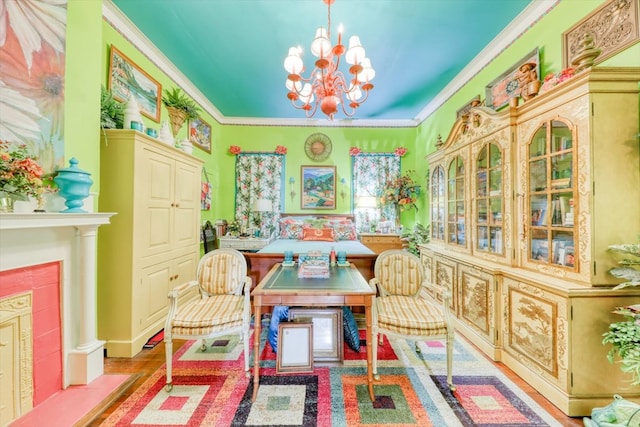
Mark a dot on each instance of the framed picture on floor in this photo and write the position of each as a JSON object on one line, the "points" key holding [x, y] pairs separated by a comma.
{"points": [[327, 331], [318, 187], [295, 347], [126, 79]]}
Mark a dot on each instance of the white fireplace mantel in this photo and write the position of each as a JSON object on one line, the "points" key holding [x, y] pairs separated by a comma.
{"points": [[70, 238]]}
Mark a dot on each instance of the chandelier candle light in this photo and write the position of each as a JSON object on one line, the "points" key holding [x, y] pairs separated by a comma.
{"points": [[327, 85]]}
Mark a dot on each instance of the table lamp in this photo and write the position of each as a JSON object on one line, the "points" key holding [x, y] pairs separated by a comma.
{"points": [[260, 206]]}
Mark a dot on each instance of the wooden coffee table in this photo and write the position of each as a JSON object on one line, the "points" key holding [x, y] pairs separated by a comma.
{"points": [[281, 286]]}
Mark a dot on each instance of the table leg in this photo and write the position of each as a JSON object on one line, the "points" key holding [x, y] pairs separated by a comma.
{"points": [[257, 323], [368, 320]]}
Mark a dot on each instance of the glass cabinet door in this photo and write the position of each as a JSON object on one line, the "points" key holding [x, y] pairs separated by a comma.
{"points": [[437, 204], [455, 203], [551, 195], [489, 200]]}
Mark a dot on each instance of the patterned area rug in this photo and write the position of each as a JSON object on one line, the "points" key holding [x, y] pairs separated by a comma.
{"points": [[211, 389]]}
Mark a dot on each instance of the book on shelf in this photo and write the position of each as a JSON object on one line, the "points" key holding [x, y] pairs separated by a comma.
{"points": [[569, 256], [539, 216]]}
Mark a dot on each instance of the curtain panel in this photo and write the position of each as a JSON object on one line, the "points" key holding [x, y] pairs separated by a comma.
{"points": [[371, 172], [259, 176]]}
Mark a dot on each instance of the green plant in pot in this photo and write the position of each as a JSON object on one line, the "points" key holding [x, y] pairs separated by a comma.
{"points": [[625, 336], [414, 238], [180, 108], [111, 111]]}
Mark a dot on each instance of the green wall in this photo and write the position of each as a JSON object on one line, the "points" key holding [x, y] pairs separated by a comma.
{"points": [[87, 67]]}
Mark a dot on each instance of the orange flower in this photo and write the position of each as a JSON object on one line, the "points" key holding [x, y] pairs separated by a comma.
{"points": [[234, 149]]}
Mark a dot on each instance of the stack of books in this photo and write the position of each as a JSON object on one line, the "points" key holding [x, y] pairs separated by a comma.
{"points": [[314, 269]]}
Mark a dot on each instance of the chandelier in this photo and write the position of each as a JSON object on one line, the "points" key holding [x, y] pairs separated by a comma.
{"points": [[327, 85]]}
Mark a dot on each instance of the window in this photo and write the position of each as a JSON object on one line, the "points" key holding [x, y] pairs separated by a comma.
{"points": [[371, 172]]}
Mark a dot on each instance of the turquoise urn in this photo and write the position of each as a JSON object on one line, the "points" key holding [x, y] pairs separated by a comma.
{"points": [[74, 185]]}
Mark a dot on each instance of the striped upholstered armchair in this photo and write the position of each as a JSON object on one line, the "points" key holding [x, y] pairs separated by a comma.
{"points": [[222, 307], [403, 308]]}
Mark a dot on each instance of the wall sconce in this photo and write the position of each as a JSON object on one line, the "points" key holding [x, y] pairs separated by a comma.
{"points": [[343, 182], [292, 182]]}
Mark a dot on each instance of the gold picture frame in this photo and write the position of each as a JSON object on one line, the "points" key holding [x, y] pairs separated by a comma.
{"points": [[200, 134], [499, 91], [126, 78], [295, 347], [318, 187]]}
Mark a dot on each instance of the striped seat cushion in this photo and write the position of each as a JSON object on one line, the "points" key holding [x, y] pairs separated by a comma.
{"points": [[218, 310], [410, 316]]}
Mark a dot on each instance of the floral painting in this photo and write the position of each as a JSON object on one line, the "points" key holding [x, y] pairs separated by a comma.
{"points": [[32, 54]]}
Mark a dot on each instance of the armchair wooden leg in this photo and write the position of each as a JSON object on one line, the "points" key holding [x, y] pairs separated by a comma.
{"points": [[374, 352], [452, 387], [168, 351], [245, 339]]}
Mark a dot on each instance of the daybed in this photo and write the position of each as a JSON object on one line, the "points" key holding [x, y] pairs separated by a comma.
{"points": [[301, 233]]}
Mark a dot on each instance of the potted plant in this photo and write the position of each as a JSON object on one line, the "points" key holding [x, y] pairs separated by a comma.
{"points": [[625, 336], [413, 239], [180, 108], [111, 111]]}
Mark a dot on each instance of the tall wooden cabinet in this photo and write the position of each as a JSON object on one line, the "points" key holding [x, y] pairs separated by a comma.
{"points": [[152, 244], [524, 204]]}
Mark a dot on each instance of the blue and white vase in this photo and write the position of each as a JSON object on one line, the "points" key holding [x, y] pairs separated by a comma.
{"points": [[74, 185]]}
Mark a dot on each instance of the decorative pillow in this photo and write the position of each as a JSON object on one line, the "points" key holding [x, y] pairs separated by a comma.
{"points": [[344, 230], [351, 335], [291, 228], [318, 234]]}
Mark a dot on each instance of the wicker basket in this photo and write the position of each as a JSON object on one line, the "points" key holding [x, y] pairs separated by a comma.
{"points": [[177, 118]]}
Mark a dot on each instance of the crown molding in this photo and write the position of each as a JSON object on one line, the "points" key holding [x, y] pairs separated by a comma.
{"points": [[527, 18]]}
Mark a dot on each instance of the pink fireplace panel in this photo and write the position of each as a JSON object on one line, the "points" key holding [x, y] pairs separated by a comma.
{"points": [[44, 281]]}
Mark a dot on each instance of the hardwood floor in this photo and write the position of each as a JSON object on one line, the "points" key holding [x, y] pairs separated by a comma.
{"points": [[149, 360]]}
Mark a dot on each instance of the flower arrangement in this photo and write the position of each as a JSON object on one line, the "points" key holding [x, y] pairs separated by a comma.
{"points": [[402, 192], [554, 79], [20, 173]]}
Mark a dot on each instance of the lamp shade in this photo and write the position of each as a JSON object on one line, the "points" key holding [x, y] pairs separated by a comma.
{"points": [[262, 205], [366, 202]]}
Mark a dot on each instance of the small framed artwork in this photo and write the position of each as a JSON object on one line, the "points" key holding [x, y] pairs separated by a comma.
{"points": [[295, 347], [507, 86], [200, 134], [127, 79], [318, 187], [327, 331]]}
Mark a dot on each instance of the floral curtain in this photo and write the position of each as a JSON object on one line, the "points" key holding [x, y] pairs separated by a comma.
{"points": [[259, 176], [371, 172]]}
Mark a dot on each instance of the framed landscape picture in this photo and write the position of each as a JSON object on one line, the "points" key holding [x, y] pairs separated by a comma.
{"points": [[200, 134], [127, 79], [318, 187], [499, 91]]}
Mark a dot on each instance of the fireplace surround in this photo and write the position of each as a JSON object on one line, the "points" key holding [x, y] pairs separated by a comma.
{"points": [[33, 239]]}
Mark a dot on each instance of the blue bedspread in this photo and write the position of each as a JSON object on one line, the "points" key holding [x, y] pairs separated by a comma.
{"points": [[351, 247]]}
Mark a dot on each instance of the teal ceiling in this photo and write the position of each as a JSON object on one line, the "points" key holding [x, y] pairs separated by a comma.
{"points": [[233, 50]]}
